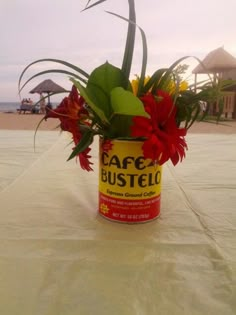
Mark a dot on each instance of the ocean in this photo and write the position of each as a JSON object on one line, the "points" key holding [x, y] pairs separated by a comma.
{"points": [[11, 107]]}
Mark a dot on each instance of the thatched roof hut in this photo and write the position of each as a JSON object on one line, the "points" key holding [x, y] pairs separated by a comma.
{"points": [[48, 86], [222, 65], [217, 61]]}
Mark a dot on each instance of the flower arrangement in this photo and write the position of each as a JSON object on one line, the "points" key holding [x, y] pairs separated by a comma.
{"points": [[157, 110]]}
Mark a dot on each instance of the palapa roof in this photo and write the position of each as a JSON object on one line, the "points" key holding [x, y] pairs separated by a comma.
{"points": [[218, 60], [47, 86]]}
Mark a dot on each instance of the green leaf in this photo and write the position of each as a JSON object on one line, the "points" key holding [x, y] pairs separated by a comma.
{"points": [[100, 84], [155, 78], [144, 63], [130, 40], [53, 71], [88, 98], [107, 77], [86, 140], [120, 127], [125, 103], [168, 74], [92, 5], [64, 63], [127, 62]]}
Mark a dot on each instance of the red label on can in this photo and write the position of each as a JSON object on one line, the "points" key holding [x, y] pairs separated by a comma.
{"points": [[124, 210]]}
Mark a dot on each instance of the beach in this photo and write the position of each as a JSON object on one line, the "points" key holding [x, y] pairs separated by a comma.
{"points": [[16, 121]]}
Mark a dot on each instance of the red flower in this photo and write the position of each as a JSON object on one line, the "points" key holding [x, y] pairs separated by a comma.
{"points": [[84, 160], [164, 140], [71, 107], [107, 145], [70, 112]]}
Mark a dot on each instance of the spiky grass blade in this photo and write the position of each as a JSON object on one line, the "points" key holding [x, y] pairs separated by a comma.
{"points": [[129, 60], [92, 5], [71, 74], [130, 40], [62, 62]]}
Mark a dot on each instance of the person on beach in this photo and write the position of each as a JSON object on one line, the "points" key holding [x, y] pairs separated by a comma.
{"points": [[42, 104], [30, 102]]}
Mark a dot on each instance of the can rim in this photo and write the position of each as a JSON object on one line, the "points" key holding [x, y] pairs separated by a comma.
{"points": [[122, 140]]}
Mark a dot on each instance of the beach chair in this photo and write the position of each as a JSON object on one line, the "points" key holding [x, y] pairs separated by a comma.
{"points": [[26, 108]]}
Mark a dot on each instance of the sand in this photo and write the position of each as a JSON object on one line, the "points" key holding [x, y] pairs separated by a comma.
{"points": [[15, 121]]}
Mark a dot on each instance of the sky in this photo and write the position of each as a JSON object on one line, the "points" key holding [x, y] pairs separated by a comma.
{"points": [[32, 30]]}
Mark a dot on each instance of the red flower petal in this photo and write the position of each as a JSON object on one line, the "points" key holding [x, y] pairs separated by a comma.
{"points": [[84, 160], [70, 112], [164, 139], [107, 145]]}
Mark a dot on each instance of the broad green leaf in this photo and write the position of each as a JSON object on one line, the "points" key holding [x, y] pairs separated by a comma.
{"points": [[88, 98], [120, 126], [101, 82], [126, 103], [107, 77]]}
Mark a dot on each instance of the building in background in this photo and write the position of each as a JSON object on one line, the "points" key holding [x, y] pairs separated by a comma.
{"points": [[220, 65]]}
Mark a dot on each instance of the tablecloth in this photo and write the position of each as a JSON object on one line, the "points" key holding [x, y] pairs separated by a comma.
{"points": [[59, 257]]}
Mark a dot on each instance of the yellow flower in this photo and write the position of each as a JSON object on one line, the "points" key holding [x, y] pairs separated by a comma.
{"points": [[172, 88], [183, 86], [135, 83]]}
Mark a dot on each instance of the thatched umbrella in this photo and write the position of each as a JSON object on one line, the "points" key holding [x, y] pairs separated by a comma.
{"points": [[48, 86]]}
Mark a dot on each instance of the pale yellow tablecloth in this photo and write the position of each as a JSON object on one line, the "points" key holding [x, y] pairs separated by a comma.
{"points": [[59, 257]]}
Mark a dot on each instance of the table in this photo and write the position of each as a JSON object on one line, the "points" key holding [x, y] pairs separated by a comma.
{"points": [[59, 257]]}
